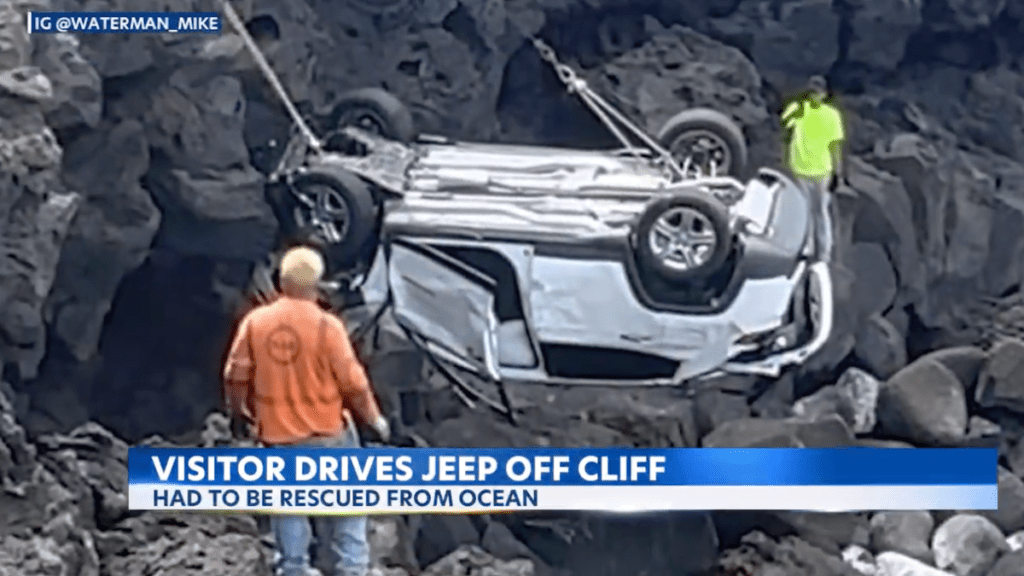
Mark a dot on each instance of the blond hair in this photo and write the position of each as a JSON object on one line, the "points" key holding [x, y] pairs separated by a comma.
{"points": [[302, 268]]}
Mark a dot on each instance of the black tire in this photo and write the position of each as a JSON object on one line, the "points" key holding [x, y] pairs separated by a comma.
{"points": [[381, 111], [725, 135], [710, 216], [358, 235]]}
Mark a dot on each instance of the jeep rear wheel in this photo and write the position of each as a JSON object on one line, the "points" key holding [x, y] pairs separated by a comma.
{"points": [[340, 211], [376, 111], [705, 142], [683, 238]]}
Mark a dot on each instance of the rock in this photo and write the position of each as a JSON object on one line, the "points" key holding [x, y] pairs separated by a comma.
{"points": [[896, 564], [777, 399], [879, 443], [37, 555], [390, 542], [832, 532], [499, 541], [216, 431], [810, 25], [675, 70], [999, 382], [1010, 515], [77, 89], [190, 550], [102, 461], [1008, 565], [952, 193], [870, 263], [648, 418], [761, 556], [752, 433], [853, 397], [607, 545], [828, 431], [982, 433], [1016, 541], [439, 535], [967, 545], [713, 407], [14, 38], [111, 235], [880, 346], [473, 561], [27, 82], [879, 31], [860, 560], [17, 454], [974, 14], [924, 404], [964, 361], [35, 211], [223, 216], [905, 532], [1012, 449]]}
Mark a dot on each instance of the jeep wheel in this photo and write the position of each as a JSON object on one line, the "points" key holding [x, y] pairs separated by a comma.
{"points": [[340, 211], [705, 142], [683, 238], [375, 110]]}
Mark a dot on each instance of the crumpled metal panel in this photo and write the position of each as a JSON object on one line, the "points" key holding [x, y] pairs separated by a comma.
{"points": [[444, 306]]}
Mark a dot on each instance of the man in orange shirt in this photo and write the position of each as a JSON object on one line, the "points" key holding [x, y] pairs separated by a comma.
{"points": [[291, 373]]}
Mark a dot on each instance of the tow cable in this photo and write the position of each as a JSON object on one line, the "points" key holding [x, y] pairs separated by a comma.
{"points": [[268, 73]]}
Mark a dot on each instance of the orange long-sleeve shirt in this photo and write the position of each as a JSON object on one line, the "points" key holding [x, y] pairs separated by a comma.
{"points": [[293, 367]]}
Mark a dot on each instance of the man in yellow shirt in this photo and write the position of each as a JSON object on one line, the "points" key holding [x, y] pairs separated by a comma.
{"points": [[816, 137]]}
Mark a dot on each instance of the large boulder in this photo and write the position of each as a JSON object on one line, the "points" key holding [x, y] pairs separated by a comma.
{"points": [[827, 431], [908, 533], [1009, 517], [968, 545], [854, 397], [924, 404]]}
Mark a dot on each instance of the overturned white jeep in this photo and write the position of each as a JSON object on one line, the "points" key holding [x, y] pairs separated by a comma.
{"points": [[649, 265]]}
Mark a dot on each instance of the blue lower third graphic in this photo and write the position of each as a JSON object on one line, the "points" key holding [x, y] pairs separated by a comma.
{"points": [[124, 22], [451, 480]]}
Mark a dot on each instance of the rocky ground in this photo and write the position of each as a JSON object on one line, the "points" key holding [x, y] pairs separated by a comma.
{"points": [[131, 211]]}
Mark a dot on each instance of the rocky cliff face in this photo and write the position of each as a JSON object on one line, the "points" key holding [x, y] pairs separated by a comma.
{"points": [[131, 210]]}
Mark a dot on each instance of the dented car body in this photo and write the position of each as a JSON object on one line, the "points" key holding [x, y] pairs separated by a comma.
{"points": [[575, 267]]}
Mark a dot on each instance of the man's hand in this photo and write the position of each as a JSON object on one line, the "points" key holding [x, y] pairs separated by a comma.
{"points": [[382, 428], [240, 427]]}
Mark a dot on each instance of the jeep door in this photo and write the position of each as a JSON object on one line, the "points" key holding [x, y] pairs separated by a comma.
{"points": [[448, 305]]}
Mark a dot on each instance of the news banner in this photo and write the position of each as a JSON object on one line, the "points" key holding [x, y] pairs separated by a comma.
{"points": [[428, 480]]}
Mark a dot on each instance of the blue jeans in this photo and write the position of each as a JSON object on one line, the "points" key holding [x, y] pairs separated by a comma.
{"points": [[293, 534]]}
